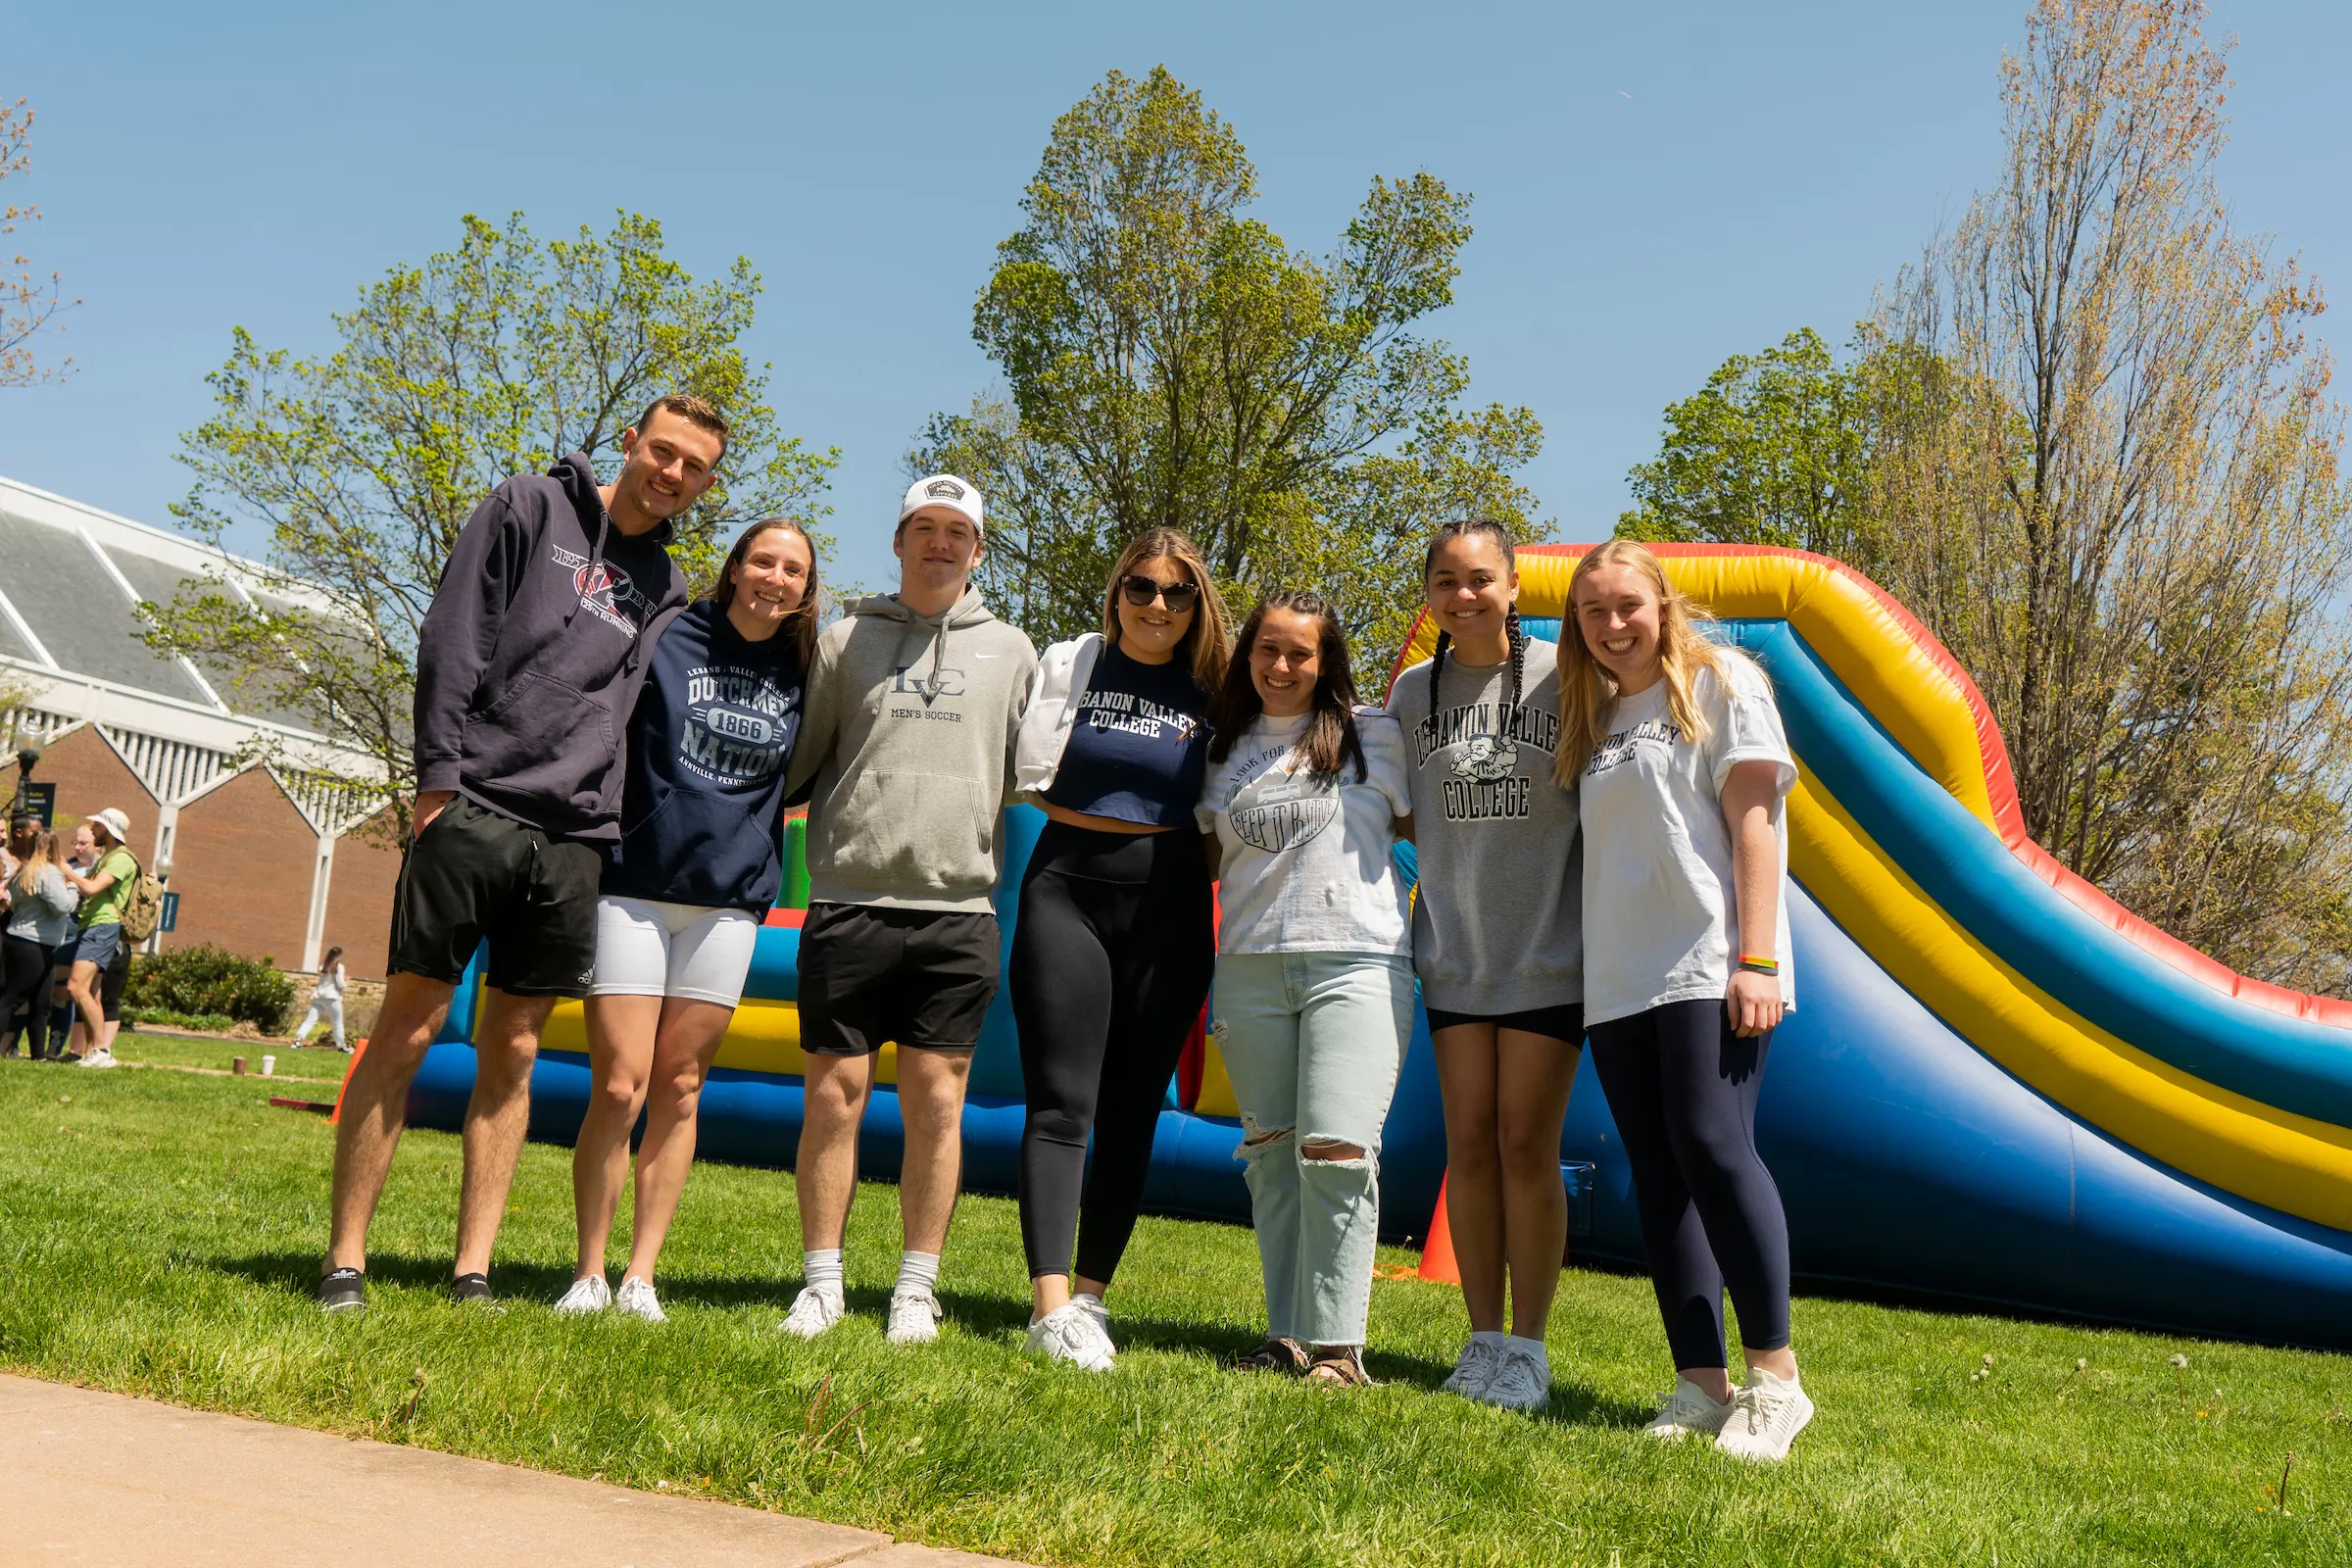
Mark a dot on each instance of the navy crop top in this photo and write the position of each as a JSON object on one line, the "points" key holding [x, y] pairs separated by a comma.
{"points": [[1138, 746]]}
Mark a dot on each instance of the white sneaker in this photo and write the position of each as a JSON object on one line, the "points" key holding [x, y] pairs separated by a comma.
{"points": [[591, 1295], [1521, 1382], [1069, 1332], [636, 1298], [100, 1058], [1687, 1411], [913, 1318], [813, 1312], [1766, 1415], [1476, 1367]]}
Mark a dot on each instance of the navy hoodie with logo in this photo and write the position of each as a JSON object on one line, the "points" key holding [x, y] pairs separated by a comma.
{"points": [[702, 819], [529, 660]]}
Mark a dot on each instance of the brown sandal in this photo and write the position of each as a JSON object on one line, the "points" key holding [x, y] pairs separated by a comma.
{"points": [[1275, 1355], [1339, 1366]]}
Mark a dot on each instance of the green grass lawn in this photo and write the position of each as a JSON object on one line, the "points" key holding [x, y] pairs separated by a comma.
{"points": [[200, 1051], [160, 1233]]}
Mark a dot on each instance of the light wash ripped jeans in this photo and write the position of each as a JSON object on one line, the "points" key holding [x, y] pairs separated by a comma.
{"points": [[1314, 1043]]}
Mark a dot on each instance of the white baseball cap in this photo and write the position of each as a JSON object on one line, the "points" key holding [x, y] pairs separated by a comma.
{"points": [[959, 496]]}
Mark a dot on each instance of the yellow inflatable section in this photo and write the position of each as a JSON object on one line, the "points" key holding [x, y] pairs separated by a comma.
{"points": [[765, 1036]]}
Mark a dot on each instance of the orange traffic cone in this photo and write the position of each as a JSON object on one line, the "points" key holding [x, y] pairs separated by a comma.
{"points": [[359, 1048], [1436, 1254]]}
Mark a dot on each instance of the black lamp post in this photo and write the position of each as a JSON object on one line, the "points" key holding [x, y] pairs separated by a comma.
{"points": [[26, 756]]}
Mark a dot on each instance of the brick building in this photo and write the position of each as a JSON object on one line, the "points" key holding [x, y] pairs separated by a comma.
{"points": [[266, 865]]}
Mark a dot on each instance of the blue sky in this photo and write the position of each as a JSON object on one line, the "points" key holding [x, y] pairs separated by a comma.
{"points": [[1657, 186]]}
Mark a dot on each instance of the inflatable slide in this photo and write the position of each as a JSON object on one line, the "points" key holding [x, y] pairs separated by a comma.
{"points": [[1999, 1086]]}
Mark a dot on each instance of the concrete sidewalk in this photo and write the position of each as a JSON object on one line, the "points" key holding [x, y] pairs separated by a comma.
{"points": [[103, 1478]]}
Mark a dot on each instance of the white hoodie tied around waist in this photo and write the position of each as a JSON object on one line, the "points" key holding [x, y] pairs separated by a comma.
{"points": [[910, 734]]}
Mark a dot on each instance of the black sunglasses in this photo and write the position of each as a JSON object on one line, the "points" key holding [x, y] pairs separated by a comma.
{"points": [[1140, 590]]}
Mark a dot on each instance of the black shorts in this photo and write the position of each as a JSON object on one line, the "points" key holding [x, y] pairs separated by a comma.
{"points": [[475, 875], [111, 984], [1563, 1022], [920, 977]]}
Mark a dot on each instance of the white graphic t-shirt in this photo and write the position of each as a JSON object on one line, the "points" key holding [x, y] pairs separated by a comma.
{"points": [[1661, 923], [1309, 863]]}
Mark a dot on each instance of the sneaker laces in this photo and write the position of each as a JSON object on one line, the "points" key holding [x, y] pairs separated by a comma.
{"points": [[1477, 1364], [1762, 1407]]}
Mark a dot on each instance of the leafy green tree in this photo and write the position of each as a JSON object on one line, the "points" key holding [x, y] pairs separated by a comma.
{"points": [[490, 360], [1171, 363], [1774, 450]]}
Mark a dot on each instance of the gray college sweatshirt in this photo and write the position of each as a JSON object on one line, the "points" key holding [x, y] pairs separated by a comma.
{"points": [[908, 734]]}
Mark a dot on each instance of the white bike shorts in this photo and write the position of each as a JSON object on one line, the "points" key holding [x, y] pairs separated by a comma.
{"points": [[648, 948]]}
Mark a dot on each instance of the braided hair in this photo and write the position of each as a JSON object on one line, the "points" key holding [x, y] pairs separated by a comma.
{"points": [[1464, 528]]}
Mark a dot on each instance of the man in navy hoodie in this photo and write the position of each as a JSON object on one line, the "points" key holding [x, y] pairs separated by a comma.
{"points": [[527, 666]]}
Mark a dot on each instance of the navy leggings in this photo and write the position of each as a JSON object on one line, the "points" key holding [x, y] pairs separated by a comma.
{"points": [[1682, 1088], [1110, 962]]}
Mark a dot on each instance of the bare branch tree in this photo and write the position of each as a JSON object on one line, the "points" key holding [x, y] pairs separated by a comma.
{"points": [[28, 304], [2116, 497]]}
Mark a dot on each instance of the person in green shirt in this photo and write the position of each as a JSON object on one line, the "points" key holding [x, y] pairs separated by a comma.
{"points": [[105, 890]]}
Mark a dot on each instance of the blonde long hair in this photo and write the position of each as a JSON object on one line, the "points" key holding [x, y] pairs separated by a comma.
{"points": [[1208, 641], [1589, 692], [44, 853]]}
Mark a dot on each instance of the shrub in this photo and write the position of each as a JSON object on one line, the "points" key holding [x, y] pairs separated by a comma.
{"points": [[217, 1023], [201, 980]]}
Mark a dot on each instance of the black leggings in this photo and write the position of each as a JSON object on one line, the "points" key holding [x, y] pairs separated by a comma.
{"points": [[1110, 962], [1682, 1088], [25, 967]]}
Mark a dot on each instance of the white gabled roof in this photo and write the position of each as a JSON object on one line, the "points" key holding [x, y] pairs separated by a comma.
{"points": [[71, 579]]}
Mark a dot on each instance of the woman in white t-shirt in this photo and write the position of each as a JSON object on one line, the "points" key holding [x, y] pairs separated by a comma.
{"points": [[326, 1000], [1683, 773], [1314, 1004]]}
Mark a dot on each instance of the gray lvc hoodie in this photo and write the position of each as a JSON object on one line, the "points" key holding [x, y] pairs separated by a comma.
{"points": [[908, 734]]}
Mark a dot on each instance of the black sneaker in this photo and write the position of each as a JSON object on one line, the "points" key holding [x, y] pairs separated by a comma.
{"points": [[343, 1290], [472, 1290]]}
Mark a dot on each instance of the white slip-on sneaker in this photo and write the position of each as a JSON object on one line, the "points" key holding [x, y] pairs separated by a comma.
{"points": [[1687, 1411], [591, 1295], [1766, 1415], [813, 1312], [100, 1058], [913, 1318], [1070, 1334], [636, 1298], [1480, 1360], [1520, 1383]]}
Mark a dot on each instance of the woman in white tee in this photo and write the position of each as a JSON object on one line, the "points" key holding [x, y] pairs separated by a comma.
{"points": [[326, 1000], [1681, 773], [1314, 1004]]}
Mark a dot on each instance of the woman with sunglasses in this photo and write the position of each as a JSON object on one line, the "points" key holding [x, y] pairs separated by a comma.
{"points": [[1112, 955]]}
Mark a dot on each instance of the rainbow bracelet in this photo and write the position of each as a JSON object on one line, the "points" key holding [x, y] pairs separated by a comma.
{"points": [[1756, 965]]}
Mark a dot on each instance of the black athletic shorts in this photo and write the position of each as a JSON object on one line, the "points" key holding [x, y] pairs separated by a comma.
{"points": [[1563, 1022], [475, 875], [920, 977]]}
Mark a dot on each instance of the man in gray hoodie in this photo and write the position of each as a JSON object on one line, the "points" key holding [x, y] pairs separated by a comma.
{"points": [[913, 702]]}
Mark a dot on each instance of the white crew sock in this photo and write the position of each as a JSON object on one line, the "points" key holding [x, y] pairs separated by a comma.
{"points": [[822, 1270], [1531, 1347], [918, 1271], [1493, 1336]]}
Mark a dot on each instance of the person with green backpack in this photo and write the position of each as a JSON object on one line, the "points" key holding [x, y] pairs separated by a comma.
{"points": [[107, 892]]}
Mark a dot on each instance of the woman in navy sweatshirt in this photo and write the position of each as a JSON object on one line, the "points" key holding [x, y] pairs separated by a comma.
{"points": [[698, 865]]}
